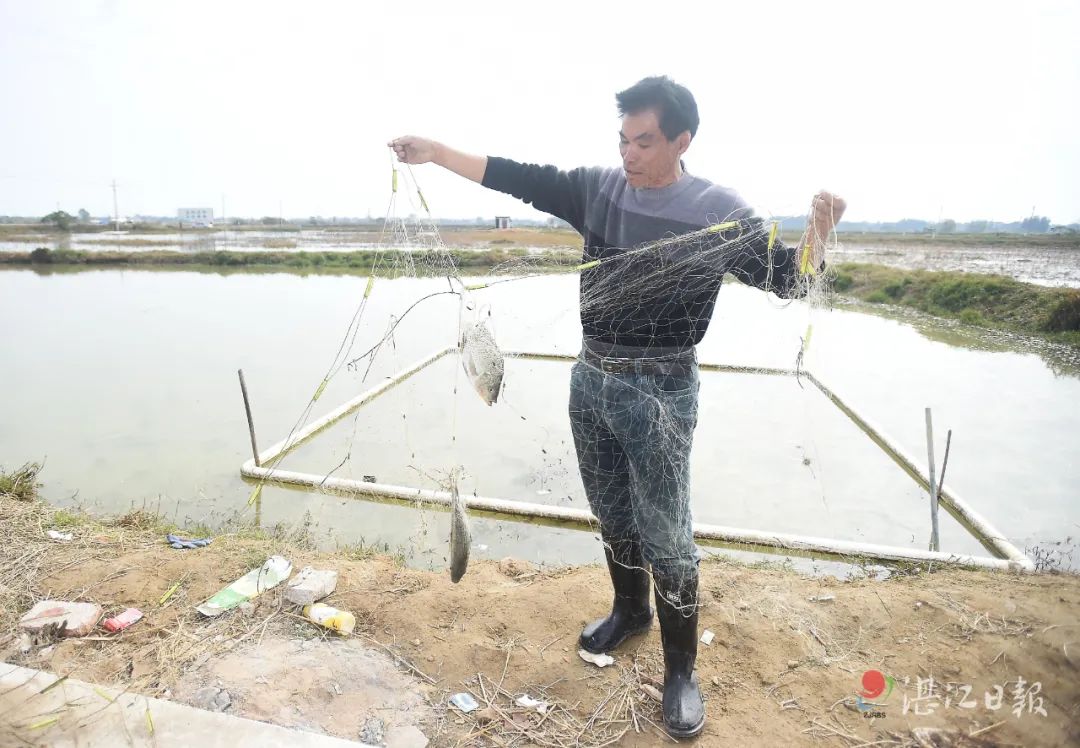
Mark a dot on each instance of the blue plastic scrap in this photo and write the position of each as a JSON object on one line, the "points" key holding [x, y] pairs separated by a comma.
{"points": [[464, 701], [184, 543]]}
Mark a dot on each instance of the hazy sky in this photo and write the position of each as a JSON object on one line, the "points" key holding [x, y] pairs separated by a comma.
{"points": [[914, 109]]}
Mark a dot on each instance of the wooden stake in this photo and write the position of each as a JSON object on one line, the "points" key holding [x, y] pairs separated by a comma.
{"points": [[944, 463], [251, 423], [934, 546]]}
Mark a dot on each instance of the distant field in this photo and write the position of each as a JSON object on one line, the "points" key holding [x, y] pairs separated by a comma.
{"points": [[528, 237], [359, 261], [469, 236], [1070, 241]]}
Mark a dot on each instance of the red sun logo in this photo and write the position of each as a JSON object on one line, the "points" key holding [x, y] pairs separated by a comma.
{"points": [[873, 683]]}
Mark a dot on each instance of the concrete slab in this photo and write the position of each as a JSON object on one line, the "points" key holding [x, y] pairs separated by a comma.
{"points": [[79, 619], [42, 709]]}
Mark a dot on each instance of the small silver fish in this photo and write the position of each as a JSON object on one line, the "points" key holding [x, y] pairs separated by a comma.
{"points": [[460, 537], [482, 361]]}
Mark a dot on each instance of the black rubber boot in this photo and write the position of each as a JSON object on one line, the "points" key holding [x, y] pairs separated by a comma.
{"points": [[630, 611], [677, 609]]}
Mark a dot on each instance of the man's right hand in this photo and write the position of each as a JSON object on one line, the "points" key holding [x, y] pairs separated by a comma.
{"points": [[410, 149], [413, 150]]}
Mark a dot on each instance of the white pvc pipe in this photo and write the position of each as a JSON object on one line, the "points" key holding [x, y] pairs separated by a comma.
{"points": [[731, 368], [1013, 558], [338, 413], [581, 519], [978, 524]]}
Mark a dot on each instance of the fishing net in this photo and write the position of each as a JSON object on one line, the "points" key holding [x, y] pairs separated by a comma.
{"points": [[619, 437]]}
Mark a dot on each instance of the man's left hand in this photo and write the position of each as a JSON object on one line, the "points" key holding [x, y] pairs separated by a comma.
{"points": [[825, 212]]}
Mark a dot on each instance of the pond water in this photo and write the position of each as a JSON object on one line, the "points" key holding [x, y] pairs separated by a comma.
{"points": [[124, 383]]}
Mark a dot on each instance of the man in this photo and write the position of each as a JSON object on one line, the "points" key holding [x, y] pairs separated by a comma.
{"points": [[634, 388]]}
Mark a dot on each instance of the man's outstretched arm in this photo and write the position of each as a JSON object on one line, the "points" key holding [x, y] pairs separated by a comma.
{"points": [[559, 193], [413, 150]]}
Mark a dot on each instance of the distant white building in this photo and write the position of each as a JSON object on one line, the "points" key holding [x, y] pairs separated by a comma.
{"points": [[197, 216]]}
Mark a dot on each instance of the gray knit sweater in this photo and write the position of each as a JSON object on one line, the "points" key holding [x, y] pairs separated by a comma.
{"points": [[650, 299]]}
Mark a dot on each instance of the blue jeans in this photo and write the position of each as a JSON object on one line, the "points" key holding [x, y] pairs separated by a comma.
{"points": [[633, 432]]}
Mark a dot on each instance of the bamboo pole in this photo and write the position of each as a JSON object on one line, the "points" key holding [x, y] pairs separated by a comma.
{"points": [[251, 423]]}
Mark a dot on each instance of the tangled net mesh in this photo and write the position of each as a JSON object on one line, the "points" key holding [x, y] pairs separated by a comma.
{"points": [[632, 433]]}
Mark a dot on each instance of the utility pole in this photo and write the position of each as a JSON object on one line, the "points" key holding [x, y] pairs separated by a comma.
{"points": [[115, 210]]}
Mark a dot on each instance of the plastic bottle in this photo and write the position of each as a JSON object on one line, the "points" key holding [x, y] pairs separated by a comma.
{"points": [[341, 621]]}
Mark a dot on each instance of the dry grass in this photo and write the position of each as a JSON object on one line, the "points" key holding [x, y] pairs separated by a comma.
{"points": [[503, 722], [20, 484], [151, 654]]}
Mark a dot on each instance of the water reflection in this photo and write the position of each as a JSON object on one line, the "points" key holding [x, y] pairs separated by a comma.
{"points": [[1062, 360]]}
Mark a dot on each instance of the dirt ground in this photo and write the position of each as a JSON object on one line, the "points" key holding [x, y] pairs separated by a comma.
{"points": [[786, 664]]}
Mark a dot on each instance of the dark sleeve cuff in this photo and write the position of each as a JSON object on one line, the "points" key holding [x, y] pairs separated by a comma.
{"points": [[501, 174]]}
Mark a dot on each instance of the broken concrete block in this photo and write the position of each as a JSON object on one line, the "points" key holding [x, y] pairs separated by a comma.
{"points": [[80, 618], [373, 732], [311, 585], [212, 699], [406, 736]]}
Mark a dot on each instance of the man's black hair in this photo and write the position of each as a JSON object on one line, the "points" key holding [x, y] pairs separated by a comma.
{"points": [[674, 104]]}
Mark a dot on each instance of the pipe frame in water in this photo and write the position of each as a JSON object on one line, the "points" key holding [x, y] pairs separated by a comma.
{"points": [[1006, 555]]}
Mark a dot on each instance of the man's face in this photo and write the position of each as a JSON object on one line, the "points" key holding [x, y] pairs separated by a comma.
{"points": [[649, 158]]}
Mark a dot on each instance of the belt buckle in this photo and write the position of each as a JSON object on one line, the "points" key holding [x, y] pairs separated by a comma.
{"points": [[610, 365]]}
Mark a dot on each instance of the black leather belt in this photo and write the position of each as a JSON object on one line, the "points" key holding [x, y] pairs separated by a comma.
{"points": [[615, 360]]}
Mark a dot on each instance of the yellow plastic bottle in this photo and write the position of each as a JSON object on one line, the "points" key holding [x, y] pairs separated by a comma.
{"points": [[341, 621]]}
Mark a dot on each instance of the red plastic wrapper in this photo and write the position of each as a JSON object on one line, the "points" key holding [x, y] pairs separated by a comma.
{"points": [[122, 621]]}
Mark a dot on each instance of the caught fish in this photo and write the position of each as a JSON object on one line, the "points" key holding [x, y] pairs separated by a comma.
{"points": [[483, 361], [460, 537]]}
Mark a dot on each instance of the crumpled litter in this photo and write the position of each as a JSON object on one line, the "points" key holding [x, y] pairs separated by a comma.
{"points": [[187, 543], [122, 621], [530, 703], [63, 537], [600, 660], [653, 692]]}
